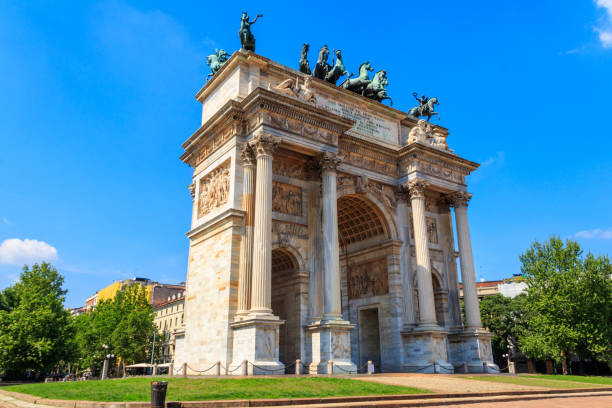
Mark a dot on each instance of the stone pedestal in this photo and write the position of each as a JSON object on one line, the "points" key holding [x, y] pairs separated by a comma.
{"points": [[256, 340], [474, 348], [425, 352], [331, 341]]}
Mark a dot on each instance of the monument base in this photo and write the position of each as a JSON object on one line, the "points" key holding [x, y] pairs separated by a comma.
{"points": [[331, 348], [471, 349], [425, 351], [256, 341]]}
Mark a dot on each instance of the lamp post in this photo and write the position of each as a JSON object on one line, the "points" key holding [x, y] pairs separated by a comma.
{"points": [[105, 366]]}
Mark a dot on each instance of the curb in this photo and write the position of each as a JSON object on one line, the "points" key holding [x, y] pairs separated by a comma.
{"points": [[389, 399]]}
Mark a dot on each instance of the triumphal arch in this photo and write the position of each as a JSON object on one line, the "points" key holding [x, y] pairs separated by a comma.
{"points": [[322, 231]]}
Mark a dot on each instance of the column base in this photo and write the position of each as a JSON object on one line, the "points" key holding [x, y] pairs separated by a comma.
{"points": [[470, 350], [331, 341], [425, 350], [256, 340]]}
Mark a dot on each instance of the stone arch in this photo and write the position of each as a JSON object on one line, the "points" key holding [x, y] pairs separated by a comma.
{"points": [[293, 252], [381, 209], [359, 219], [440, 296]]}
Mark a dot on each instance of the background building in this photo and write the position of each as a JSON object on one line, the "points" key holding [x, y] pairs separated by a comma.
{"points": [[510, 287], [169, 319]]}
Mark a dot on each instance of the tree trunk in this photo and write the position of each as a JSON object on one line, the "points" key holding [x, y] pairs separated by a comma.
{"points": [[564, 363]]}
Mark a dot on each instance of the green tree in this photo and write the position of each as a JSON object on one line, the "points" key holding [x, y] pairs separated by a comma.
{"points": [[568, 302], [505, 319], [122, 326], [36, 331]]}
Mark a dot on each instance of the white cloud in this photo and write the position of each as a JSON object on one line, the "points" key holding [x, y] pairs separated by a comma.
{"points": [[499, 159], [595, 234], [17, 252], [605, 27]]}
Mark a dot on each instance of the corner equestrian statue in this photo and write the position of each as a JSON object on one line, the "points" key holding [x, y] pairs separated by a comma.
{"points": [[359, 84], [376, 89], [304, 64], [216, 61], [322, 67], [338, 70], [247, 41], [426, 107]]}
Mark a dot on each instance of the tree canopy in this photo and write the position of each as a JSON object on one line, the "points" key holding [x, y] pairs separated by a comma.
{"points": [[569, 302], [36, 331]]}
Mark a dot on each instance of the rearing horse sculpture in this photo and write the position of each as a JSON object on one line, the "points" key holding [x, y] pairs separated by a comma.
{"points": [[359, 84], [376, 89], [338, 70], [426, 109]]}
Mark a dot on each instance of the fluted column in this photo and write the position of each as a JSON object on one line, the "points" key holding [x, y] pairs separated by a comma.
{"points": [[427, 308], [261, 292], [409, 318], [468, 275], [332, 309], [246, 244]]}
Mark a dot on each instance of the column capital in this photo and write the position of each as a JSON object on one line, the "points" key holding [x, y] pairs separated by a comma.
{"points": [[329, 161], [417, 188], [247, 156], [263, 144], [460, 199]]}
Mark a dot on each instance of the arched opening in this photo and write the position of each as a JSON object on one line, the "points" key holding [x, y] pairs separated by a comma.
{"points": [[362, 231], [440, 297], [286, 304]]}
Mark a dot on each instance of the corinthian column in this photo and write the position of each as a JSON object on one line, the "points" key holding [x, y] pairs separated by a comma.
{"points": [[409, 318], [427, 309], [246, 244], [331, 254], [261, 293], [468, 276]]}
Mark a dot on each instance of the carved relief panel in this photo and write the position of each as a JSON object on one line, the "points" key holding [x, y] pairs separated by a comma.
{"points": [[214, 189], [369, 278], [286, 198], [432, 230]]}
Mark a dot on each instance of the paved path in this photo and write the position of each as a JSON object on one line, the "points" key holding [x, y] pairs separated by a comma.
{"points": [[445, 383], [569, 402]]}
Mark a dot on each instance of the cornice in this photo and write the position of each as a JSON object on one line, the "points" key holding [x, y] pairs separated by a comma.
{"points": [[419, 151]]}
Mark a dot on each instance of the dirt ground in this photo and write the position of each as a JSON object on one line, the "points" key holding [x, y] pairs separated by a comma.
{"points": [[569, 402], [445, 383]]}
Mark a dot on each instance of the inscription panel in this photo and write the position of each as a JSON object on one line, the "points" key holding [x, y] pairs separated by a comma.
{"points": [[367, 124]]}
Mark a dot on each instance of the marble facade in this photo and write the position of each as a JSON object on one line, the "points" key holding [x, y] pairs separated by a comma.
{"points": [[322, 231]]}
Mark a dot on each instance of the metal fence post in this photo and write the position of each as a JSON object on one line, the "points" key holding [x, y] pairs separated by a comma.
{"points": [[298, 367], [218, 369], [330, 367], [184, 369]]}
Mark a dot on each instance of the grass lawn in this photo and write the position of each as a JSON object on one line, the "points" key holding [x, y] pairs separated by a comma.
{"points": [[575, 378], [548, 381], [187, 389]]}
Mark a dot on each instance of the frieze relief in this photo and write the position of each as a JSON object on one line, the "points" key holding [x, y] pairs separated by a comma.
{"points": [[286, 198], [303, 128], [289, 229], [215, 142], [369, 278], [383, 192], [434, 168], [214, 189], [289, 168], [380, 166]]}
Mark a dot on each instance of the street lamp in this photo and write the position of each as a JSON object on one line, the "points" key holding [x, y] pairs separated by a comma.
{"points": [[105, 366]]}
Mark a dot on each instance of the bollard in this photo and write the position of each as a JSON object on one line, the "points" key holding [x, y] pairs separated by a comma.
{"points": [[218, 369], [158, 394], [465, 367], [330, 367], [245, 368], [512, 367], [485, 367], [184, 369], [370, 367], [298, 367], [154, 369], [171, 369]]}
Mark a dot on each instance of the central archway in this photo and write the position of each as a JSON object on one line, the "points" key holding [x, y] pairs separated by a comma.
{"points": [[364, 260], [285, 303]]}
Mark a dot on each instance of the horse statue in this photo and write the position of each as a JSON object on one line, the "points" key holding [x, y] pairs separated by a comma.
{"points": [[322, 67], [376, 89], [338, 70], [426, 107], [359, 84], [304, 65], [247, 40], [216, 61]]}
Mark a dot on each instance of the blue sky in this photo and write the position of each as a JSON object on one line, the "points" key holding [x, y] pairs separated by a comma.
{"points": [[97, 98]]}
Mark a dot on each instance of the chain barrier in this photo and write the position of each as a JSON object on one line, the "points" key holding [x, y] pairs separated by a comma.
{"points": [[202, 371], [266, 369]]}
